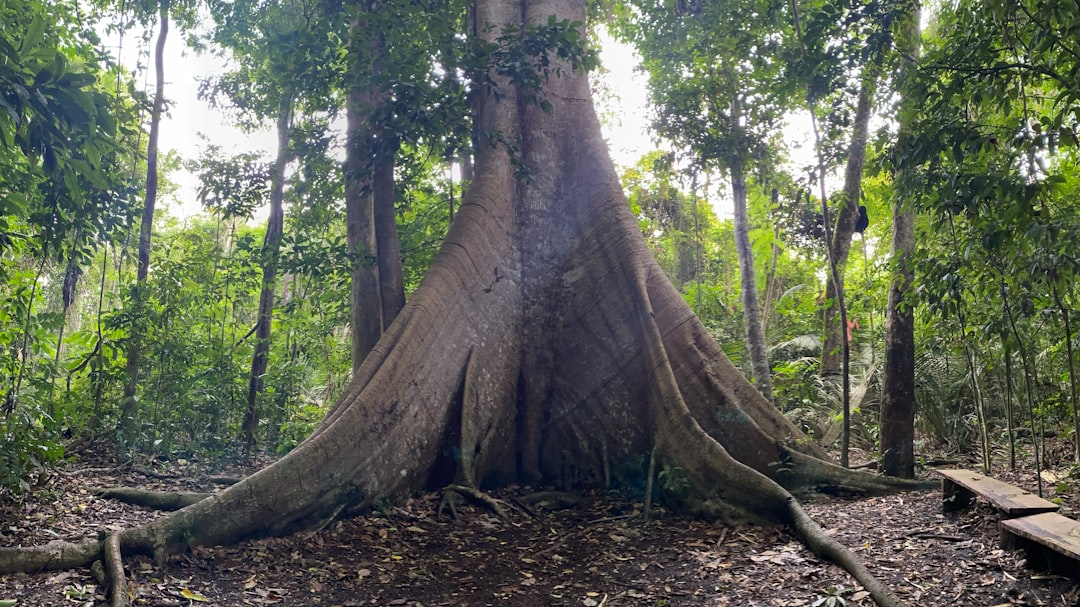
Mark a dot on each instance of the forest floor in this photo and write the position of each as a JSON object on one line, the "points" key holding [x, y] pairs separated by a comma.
{"points": [[597, 554]]}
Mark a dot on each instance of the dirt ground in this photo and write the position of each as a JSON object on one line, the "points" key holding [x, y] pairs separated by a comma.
{"points": [[601, 553]]}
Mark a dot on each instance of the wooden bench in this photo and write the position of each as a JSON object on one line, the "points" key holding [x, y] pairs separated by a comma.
{"points": [[1050, 540], [960, 486]]}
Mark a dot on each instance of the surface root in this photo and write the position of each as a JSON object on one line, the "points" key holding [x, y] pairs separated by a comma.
{"points": [[49, 557], [453, 496], [148, 498], [114, 572]]}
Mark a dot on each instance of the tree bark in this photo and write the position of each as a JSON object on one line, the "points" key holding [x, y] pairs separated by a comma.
{"points": [[129, 404], [362, 161], [271, 248], [391, 281], [755, 335], [897, 428], [846, 216], [544, 343]]}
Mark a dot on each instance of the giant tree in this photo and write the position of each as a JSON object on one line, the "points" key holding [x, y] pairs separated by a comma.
{"points": [[544, 345]]}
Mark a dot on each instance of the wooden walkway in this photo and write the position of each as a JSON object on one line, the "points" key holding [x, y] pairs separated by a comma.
{"points": [[1026, 520], [960, 486]]}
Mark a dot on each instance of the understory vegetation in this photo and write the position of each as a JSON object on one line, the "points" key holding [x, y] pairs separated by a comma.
{"points": [[987, 161]]}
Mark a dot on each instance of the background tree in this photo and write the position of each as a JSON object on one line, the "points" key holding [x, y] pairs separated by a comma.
{"points": [[402, 88], [898, 390], [708, 65], [280, 67]]}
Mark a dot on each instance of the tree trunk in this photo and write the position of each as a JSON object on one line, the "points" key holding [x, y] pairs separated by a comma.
{"points": [[129, 403], [544, 343], [897, 429], [898, 390], [362, 162], [391, 281], [1072, 370], [271, 248], [846, 216], [755, 335]]}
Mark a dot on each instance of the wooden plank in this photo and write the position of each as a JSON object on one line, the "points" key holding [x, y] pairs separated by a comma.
{"points": [[1060, 533], [1011, 501]]}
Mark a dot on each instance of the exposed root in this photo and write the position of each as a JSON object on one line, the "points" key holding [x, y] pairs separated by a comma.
{"points": [[645, 511], [714, 473], [51, 556], [803, 474], [453, 496], [147, 498], [114, 572], [829, 549]]}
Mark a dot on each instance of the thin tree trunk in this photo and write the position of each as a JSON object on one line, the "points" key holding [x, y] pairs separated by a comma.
{"points": [[897, 427], [838, 289], [1072, 370], [129, 404], [770, 278], [846, 216], [1009, 399], [71, 281], [755, 336], [1030, 380], [271, 248], [973, 370]]}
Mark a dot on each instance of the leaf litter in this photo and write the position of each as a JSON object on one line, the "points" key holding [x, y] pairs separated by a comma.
{"points": [[600, 553]]}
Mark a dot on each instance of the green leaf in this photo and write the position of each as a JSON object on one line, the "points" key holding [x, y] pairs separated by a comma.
{"points": [[33, 36], [77, 79]]}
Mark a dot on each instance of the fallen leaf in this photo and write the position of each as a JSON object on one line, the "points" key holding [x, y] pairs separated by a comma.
{"points": [[191, 595]]}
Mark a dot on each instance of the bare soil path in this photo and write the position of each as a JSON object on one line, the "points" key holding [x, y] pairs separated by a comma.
{"points": [[598, 554]]}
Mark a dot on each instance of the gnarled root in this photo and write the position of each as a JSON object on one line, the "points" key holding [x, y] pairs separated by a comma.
{"points": [[453, 496]]}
